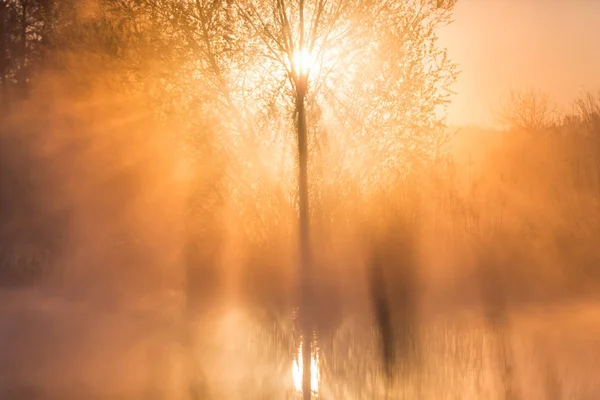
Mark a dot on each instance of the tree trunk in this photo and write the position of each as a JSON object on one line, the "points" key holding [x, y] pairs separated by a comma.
{"points": [[22, 71], [5, 104], [301, 87], [47, 7], [305, 272]]}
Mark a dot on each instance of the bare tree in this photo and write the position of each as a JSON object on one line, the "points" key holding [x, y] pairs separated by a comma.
{"points": [[335, 39], [529, 109], [367, 76], [587, 109]]}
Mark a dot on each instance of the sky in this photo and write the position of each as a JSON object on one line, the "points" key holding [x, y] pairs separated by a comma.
{"points": [[548, 45]]}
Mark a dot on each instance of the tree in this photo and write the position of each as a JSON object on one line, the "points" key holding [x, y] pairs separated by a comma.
{"points": [[587, 110], [367, 74], [529, 110], [25, 36], [362, 84], [24, 33]]}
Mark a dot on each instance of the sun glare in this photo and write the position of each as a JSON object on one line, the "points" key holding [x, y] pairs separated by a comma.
{"points": [[303, 61], [315, 375]]}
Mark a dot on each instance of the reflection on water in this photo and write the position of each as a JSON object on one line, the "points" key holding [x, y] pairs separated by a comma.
{"points": [[72, 352], [315, 374]]}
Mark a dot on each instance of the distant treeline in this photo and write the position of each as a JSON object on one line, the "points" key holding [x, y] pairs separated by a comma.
{"points": [[531, 192]]}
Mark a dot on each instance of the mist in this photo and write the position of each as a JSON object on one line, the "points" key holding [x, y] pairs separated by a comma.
{"points": [[151, 218]]}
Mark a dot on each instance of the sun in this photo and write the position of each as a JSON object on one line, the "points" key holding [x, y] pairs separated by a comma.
{"points": [[303, 61]]}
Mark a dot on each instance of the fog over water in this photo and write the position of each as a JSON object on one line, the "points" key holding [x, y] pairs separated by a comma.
{"points": [[150, 211]]}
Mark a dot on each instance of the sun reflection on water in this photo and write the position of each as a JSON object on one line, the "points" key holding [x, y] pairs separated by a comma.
{"points": [[315, 374]]}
